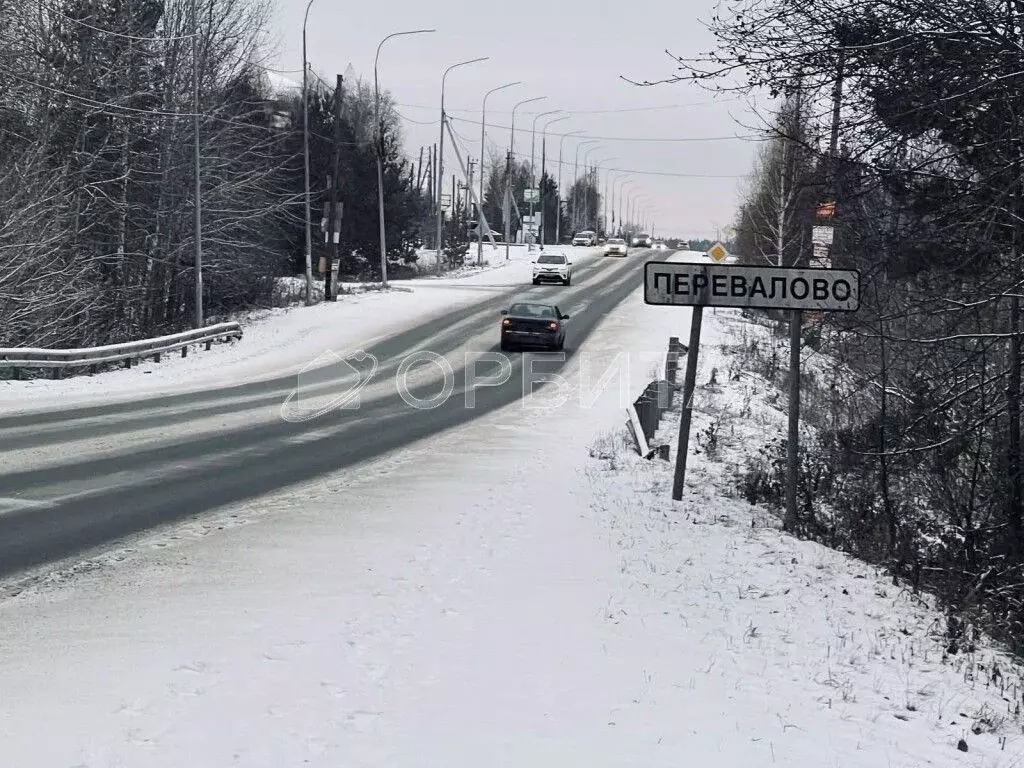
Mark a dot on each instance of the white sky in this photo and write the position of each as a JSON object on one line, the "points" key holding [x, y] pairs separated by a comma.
{"points": [[570, 51]]}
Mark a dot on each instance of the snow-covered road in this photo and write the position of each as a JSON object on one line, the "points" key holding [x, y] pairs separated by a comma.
{"points": [[78, 478], [493, 597]]}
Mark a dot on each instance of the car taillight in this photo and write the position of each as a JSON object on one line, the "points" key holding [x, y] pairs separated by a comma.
{"points": [[553, 326]]}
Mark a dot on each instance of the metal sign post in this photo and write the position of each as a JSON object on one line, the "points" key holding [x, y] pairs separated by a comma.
{"points": [[755, 287], [689, 384]]}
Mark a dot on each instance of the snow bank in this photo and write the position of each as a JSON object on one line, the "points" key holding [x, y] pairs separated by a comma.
{"points": [[796, 654]]}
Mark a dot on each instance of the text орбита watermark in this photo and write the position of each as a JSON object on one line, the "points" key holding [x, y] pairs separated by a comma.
{"points": [[425, 380]]}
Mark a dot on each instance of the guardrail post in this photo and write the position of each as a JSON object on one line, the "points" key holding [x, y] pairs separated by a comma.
{"points": [[55, 373], [664, 395], [672, 360], [156, 358], [209, 344], [650, 415], [127, 362], [184, 351]]}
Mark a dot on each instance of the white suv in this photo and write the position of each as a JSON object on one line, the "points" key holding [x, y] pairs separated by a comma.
{"points": [[586, 238], [552, 268]]}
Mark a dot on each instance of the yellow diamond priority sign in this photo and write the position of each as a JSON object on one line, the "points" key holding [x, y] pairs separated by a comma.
{"points": [[718, 252]]}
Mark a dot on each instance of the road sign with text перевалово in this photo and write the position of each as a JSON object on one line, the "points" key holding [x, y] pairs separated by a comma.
{"points": [[720, 285]]}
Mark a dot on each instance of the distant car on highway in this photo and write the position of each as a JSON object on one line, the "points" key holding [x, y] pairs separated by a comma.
{"points": [[552, 268], [660, 246], [642, 240], [585, 238], [529, 323], [616, 247]]}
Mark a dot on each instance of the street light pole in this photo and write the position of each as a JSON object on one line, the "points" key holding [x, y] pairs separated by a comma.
{"points": [[558, 218], [586, 185], [575, 191], [483, 129], [597, 186], [543, 171], [624, 212], [508, 165], [533, 157], [380, 152], [615, 219], [440, 158], [305, 157]]}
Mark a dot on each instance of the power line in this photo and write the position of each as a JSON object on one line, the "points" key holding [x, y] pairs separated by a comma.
{"points": [[623, 110], [637, 139], [627, 138], [137, 38]]}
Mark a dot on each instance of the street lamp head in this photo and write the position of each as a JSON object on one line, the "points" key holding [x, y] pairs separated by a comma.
{"points": [[554, 120], [399, 34], [500, 88], [526, 101], [544, 114], [462, 64]]}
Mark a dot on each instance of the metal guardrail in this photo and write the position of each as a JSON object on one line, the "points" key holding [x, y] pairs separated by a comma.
{"points": [[58, 360], [646, 411]]}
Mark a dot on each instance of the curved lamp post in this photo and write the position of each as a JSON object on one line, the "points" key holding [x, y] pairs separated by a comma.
{"points": [[543, 170], [440, 157], [558, 219], [533, 157], [480, 202], [380, 152], [576, 178], [603, 218], [619, 176], [586, 187], [508, 165]]}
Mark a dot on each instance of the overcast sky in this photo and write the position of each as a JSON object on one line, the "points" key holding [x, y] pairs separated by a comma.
{"points": [[570, 51]]}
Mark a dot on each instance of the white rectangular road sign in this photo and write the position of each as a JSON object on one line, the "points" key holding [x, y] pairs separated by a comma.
{"points": [[730, 285]]}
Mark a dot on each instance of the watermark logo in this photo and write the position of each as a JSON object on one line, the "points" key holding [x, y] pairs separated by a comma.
{"points": [[426, 380], [331, 382]]}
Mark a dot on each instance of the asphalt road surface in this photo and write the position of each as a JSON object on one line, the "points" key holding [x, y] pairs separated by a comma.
{"points": [[77, 479]]}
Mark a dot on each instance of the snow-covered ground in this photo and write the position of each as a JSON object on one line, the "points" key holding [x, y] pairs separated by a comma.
{"points": [[518, 592], [282, 341]]}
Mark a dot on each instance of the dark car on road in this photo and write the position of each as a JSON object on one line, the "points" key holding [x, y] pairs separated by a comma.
{"points": [[529, 323]]}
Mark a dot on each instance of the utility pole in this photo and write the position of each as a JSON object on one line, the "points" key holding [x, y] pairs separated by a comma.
{"points": [[469, 205], [543, 171], [335, 214], [432, 176], [507, 209], [305, 156], [196, 162], [440, 194]]}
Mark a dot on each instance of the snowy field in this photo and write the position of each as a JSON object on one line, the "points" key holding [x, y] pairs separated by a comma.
{"points": [[281, 341], [518, 592]]}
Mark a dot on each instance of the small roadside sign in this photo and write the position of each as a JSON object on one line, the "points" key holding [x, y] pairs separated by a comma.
{"points": [[822, 234], [531, 195], [718, 252]]}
